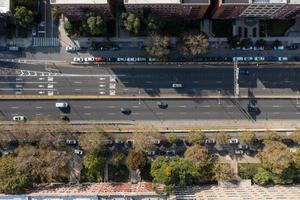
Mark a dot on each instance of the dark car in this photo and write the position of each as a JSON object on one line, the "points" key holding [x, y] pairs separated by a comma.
{"points": [[126, 111], [292, 47], [114, 48], [71, 142], [162, 104], [103, 48], [111, 59], [244, 72], [65, 118], [252, 108], [288, 142]]}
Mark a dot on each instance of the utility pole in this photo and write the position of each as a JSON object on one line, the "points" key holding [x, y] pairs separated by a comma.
{"points": [[219, 101], [139, 96], [297, 97], [236, 79]]}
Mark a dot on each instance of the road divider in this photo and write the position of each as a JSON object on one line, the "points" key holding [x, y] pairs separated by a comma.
{"points": [[166, 97]]}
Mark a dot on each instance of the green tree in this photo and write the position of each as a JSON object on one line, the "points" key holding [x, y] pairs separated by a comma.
{"points": [[193, 44], [271, 135], [222, 171], [247, 137], [96, 24], [24, 17], [154, 24], [247, 43], [145, 140], [262, 177], [171, 137], [248, 170], [297, 159], [69, 28], [94, 142], [131, 22], [222, 138], [234, 41], [196, 137], [93, 165], [158, 46], [275, 156], [118, 158], [197, 154], [136, 160]]}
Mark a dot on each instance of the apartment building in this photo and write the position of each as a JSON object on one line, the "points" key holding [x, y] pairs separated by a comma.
{"points": [[4, 6], [263, 8], [77, 8], [229, 9], [290, 10], [168, 8]]}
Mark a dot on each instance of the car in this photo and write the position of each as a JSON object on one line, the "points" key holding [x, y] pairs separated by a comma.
{"points": [[282, 58], [111, 59], [162, 104], [33, 32], [279, 48], [114, 48], [252, 108], [151, 153], [19, 118], [243, 146], [103, 48], [120, 59], [233, 141], [176, 85], [126, 111], [170, 153], [141, 59], [156, 141], [78, 152], [71, 142], [152, 59], [99, 59], [271, 58], [78, 59], [131, 59], [259, 58], [244, 72], [71, 49], [238, 58], [292, 47], [248, 58], [61, 105], [64, 118], [89, 59], [246, 49], [288, 142], [227, 59], [210, 141], [259, 48]]}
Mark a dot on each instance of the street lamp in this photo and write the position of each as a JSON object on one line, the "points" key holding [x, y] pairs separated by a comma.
{"points": [[139, 96], [297, 97], [219, 101]]}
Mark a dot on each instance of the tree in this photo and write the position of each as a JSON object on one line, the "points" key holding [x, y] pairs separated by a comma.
{"points": [[262, 177], [196, 137], [131, 22], [93, 165], [118, 158], [158, 46], [197, 154], [145, 140], [69, 28], [23, 16], [222, 171], [246, 43], [93, 142], [295, 136], [96, 24], [275, 156], [297, 159], [171, 137], [194, 44], [234, 41], [222, 138], [136, 160], [154, 24], [247, 137], [271, 135], [260, 43]]}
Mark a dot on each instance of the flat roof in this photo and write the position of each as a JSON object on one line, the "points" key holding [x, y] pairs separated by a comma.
{"points": [[269, 1], [78, 1], [236, 2], [195, 2], [152, 1], [4, 6], [294, 1]]}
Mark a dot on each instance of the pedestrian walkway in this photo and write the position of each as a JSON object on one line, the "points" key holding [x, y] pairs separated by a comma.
{"points": [[45, 42]]}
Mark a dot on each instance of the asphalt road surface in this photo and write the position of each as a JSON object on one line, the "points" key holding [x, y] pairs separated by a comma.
{"points": [[147, 81], [104, 110]]}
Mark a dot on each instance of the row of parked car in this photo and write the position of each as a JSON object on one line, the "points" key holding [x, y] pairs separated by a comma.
{"points": [[91, 60], [244, 59]]}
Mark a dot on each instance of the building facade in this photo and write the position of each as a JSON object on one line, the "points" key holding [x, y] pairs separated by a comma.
{"points": [[263, 8], [168, 8], [4, 6], [229, 9], [289, 11], [75, 9]]}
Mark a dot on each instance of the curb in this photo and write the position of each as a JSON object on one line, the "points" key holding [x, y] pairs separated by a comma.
{"points": [[96, 97]]}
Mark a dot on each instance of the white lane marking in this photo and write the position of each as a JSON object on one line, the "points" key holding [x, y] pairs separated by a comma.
{"points": [[111, 106], [87, 113], [18, 86], [101, 92], [77, 89], [19, 79], [101, 79], [41, 92], [112, 79], [205, 106], [111, 113], [14, 107], [229, 106], [50, 78], [183, 106], [135, 106], [39, 107], [275, 106], [77, 82], [148, 82], [275, 113], [27, 89], [125, 89], [112, 86], [42, 78], [135, 113], [182, 113], [87, 107], [40, 86], [101, 85], [18, 93], [27, 82], [206, 113]]}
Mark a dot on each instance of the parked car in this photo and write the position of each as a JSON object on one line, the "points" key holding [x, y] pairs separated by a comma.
{"points": [[151, 153], [14, 48], [243, 146], [210, 141], [170, 153], [244, 72], [131, 59], [259, 48], [282, 58], [238, 58], [33, 32], [233, 141], [99, 59], [103, 48], [141, 59], [120, 59], [78, 152], [71, 49], [292, 47], [152, 59], [111, 59], [89, 59], [114, 48], [61, 105], [176, 85], [279, 48], [259, 58], [78, 60], [271, 58], [126, 111], [71, 142], [162, 104], [19, 118], [248, 58]]}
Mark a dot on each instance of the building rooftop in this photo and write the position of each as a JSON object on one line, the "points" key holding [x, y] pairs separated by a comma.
{"points": [[269, 1], [294, 1], [236, 1], [4, 6], [195, 2], [152, 1], [78, 1]]}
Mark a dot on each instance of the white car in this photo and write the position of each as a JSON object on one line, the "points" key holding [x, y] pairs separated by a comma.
{"points": [[238, 58], [282, 58], [233, 141], [248, 58], [71, 49], [89, 59], [19, 118], [121, 59], [131, 59], [259, 58], [78, 59], [176, 85], [61, 105], [78, 152]]}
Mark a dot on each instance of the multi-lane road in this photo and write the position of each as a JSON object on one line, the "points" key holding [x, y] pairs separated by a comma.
{"points": [[129, 81], [109, 110]]}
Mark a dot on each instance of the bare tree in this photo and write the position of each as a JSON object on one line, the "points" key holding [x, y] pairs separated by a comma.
{"points": [[193, 44]]}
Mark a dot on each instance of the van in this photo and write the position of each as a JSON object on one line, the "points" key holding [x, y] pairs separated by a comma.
{"points": [[61, 105], [176, 85]]}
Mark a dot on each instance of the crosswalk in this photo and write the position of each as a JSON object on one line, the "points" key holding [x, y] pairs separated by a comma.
{"points": [[45, 42]]}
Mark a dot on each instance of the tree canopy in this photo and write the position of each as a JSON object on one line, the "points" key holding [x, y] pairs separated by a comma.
{"points": [[196, 137], [154, 24], [96, 24], [24, 17], [131, 22], [222, 171], [93, 142], [144, 141], [197, 154], [158, 46], [194, 44], [93, 165], [222, 138], [136, 160], [271, 135], [247, 137]]}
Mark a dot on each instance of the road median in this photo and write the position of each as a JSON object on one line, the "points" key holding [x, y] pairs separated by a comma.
{"points": [[170, 97]]}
